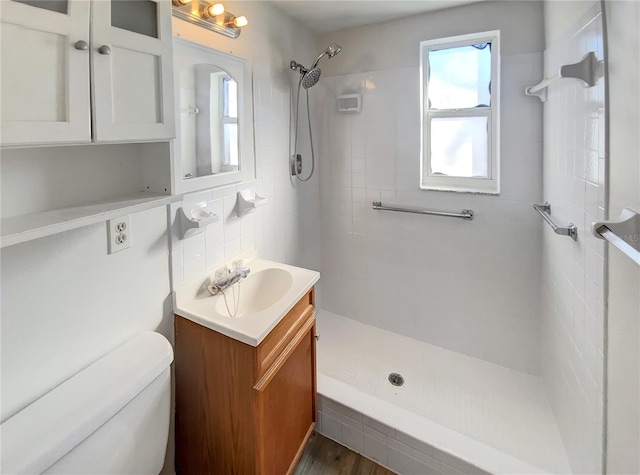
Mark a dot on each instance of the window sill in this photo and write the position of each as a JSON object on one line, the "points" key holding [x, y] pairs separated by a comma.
{"points": [[460, 189]]}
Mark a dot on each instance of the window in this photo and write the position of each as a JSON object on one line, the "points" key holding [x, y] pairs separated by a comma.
{"points": [[230, 121], [460, 105]]}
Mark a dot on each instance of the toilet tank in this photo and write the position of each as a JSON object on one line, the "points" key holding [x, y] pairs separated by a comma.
{"points": [[110, 418]]}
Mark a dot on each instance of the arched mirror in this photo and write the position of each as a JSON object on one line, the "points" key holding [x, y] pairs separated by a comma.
{"points": [[213, 143]]}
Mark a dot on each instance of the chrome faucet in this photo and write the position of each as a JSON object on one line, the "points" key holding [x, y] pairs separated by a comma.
{"points": [[225, 277]]}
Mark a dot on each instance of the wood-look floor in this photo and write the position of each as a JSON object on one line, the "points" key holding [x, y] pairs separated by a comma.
{"points": [[323, 456]]}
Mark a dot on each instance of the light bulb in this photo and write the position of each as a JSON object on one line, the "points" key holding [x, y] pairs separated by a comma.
{"points": [[213, 11], [216, 9], [240, 21]]}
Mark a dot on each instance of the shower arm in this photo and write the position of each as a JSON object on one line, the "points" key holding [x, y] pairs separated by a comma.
{"points": [[294, 65]]}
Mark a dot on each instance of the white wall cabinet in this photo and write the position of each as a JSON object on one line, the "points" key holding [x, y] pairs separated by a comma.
{"points": [[77, 71], [45, 79]]}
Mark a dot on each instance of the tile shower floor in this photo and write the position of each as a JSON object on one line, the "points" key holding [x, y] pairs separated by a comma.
{"points": [[499, 407]]}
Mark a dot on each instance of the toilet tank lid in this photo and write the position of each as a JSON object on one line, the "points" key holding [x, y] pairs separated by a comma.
{"points": [[43, 432]]}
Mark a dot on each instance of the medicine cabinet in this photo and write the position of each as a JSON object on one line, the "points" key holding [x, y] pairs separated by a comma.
{"points": [[214, 126]]}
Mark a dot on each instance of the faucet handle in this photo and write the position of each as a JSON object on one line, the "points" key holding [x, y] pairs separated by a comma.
{"points": [[221, 273], [237, 264]]}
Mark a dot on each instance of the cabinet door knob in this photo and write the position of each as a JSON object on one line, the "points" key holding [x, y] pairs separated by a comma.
{"points": [[81, 45], [104, 49]]}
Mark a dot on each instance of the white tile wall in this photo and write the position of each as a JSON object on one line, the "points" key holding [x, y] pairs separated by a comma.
{"points": [[275, 229], [573, 272], [386, 446], [472, 287]]}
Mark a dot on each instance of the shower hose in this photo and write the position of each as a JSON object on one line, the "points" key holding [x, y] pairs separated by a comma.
{"points": [[295, 143]]}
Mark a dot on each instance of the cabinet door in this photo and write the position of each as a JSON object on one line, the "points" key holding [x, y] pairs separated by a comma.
{"points": [[45, 72], [132, 80], [286, 405]]}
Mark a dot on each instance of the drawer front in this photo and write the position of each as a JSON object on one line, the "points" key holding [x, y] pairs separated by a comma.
{"points": [[277, 340]]}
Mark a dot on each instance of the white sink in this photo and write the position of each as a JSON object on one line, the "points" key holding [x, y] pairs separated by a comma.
{"points": [[259, 291], [266, 295]]}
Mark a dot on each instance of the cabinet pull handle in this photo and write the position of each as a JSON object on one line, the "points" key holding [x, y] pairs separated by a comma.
{"points": [[82, 45], [104, 49]]}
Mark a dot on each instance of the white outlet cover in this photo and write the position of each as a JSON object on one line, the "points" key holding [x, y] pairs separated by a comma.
{"points": [[118, 234]]}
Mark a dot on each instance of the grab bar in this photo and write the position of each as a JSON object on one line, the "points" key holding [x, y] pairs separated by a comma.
{"points": [[545, 212], [465, 214], [623, 233]]}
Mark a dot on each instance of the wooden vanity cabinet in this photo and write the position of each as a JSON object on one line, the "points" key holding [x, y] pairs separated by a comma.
{"points": [[241, 409]]}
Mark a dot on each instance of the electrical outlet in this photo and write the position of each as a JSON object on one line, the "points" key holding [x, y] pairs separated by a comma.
{"points": [[118, 234]]}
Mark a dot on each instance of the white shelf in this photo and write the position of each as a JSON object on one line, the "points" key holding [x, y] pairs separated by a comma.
{"points": [[27, 227]]}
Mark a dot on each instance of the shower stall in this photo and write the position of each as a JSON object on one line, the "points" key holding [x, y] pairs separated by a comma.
{"points": [[495, 324]]}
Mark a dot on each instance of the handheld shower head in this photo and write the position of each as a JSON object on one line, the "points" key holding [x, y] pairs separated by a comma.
{"points": [[331, 51]]}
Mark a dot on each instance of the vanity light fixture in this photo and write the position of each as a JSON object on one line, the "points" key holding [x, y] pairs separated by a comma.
{"points": [[211, 16]]}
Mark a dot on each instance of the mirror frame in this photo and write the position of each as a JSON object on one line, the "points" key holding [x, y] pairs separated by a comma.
{"points": [[186, 54]]}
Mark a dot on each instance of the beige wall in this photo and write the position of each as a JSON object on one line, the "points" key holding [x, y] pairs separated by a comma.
{"points": [[623, 438]]}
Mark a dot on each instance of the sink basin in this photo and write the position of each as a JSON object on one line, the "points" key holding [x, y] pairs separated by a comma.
{"points": [[259, 291], [266, 295]]}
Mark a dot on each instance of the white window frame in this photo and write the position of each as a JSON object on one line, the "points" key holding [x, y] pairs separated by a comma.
{"points": [[428, 181]]}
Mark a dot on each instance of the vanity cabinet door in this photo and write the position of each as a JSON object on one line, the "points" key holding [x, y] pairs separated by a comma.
{"points": [[132, 79], [44, 59], [286, 405]]}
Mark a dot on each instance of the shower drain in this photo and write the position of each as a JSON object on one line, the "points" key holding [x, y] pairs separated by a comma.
{"points": [[396, 379]]}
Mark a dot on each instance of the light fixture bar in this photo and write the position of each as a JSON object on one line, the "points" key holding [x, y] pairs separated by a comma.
{"points": [[192, 11]]}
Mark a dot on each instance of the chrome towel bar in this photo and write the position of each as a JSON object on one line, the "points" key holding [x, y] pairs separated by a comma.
{"points": [[545, 212], [465, 214], [624, 233]]}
